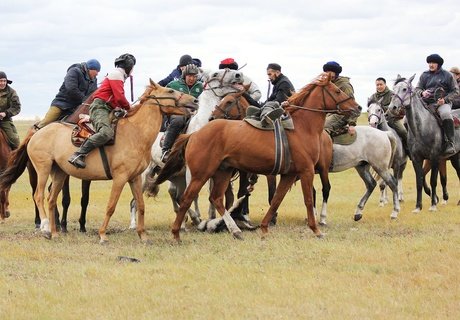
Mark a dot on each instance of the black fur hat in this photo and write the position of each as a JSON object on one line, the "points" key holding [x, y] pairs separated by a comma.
{"points": [[435, 58]]}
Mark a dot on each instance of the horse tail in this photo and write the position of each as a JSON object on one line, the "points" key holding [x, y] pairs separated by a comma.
{"points": [[175, 163], [17, 163], [394, 145]]}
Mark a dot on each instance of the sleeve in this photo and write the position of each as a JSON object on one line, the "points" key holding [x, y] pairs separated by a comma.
{"points": [[283, 93], [118, 90], [169, 78], [254, 92], [421, 84], [72, 86], [14, 106], [453, 89]]}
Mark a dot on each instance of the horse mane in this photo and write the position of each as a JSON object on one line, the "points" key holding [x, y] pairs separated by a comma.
{"points": [[298, 97], [135, 108], [399, 80], [372, 100]]}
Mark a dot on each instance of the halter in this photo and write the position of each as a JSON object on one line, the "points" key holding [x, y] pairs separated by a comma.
{"points": [[220, 86], [158, 103], [323, 108], [408, 92], [379, 118]]}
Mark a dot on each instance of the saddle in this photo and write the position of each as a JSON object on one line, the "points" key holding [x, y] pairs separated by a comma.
{"points": [[253, 118], [432, 108], [344, 138], [84, 129]]}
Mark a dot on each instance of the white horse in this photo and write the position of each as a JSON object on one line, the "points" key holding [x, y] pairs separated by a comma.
{"points": [[377, 119], [217, 84], [372, 149]]}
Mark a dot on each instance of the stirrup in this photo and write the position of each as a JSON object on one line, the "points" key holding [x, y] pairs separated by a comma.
{"points": [[450, 149], [77, 160], [165, 156]]}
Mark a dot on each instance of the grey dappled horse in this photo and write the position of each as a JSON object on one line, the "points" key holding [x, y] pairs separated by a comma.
{"points": [[372, 149], [377, 119], [425, 137]]}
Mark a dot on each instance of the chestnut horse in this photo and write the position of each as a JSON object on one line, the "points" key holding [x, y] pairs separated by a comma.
{"points": [[49, 148], [246, 148], [5, 151]]}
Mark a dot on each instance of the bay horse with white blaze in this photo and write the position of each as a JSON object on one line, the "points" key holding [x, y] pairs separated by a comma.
{"points": [[50, 147], [246, 148]]}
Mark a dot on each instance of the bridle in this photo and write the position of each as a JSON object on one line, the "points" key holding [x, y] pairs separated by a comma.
{"points": [[377, 115], [221, 85], [323, 107], [157, 101], [408, 92], [226, 111]]}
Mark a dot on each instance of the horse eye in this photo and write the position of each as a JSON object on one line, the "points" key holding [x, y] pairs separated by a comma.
{"points": [[214, 75], [171, 91]]}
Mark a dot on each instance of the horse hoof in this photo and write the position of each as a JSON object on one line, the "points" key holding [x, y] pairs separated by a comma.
{"points": [[238, 235], [443, 202], [37, 226], [458, 203], [433, 209], [7, 214], [46, 235], [83, 230], [323, 224], [320, 235], [103, 242], [358, 217], [416, 210]]}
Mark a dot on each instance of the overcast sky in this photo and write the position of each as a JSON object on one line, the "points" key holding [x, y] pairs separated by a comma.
{"points": [[41, 38]]}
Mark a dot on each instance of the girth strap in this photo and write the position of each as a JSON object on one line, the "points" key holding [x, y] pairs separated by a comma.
{"points": [[105, 162], [282, 153]]}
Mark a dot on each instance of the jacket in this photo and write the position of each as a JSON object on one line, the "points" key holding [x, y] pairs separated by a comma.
{"points": [[9, 102], [438, 79], [181, 86], [77, 86], [282, 89], [112, 89]]}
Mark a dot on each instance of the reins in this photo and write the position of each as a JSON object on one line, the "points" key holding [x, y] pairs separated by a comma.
{"points": [[323, 108]]}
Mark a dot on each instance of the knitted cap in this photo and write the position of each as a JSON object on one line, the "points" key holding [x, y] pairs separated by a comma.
{"points": [[185, 60], [93, 64], [3, 76]]}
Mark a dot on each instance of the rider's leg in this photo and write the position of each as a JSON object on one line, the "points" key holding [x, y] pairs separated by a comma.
{"points": [[448, 126], [176, 125]]}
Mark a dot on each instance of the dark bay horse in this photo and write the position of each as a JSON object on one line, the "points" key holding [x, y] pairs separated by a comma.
{"points": [[5, 151], [425, 137], [49, 148], [244, 147], [442, 176]]}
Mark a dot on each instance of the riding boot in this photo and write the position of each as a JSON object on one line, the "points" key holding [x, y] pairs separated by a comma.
{"points": [[78, 158], [170, 137], [449, 132]]}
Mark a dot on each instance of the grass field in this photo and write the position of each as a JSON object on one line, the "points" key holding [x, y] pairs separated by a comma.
{"points": [[371, 269]]}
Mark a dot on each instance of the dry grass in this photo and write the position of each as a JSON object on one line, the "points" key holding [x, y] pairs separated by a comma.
{"points": [[371, 269]]}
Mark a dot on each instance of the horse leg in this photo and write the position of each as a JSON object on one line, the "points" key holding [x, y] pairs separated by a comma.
{"points": [[306, 180], [369, 181], [132, 213], [229, 196], [426, 169], [211, 209], [221, 181], [417, 164], [455, 161], [117, 187], [65, 206], [324, 175], [285, 183], [84, 201], [271, 182], [383, 194], [58, 178], [136, 189], [433, 184], [33, 185], [39, 198], [443, 178], [391, 181]]}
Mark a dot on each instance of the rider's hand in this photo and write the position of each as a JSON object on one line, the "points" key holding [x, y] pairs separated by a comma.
{"points": [[351, 130], [441, 101], [2, 115], [426, 94], [284, 104]]}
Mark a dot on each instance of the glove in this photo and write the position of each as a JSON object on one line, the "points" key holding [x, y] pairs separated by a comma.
{"points": [[120, 113]]}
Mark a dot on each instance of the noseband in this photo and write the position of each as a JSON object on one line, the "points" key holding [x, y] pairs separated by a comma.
{"points": [[220, 86], [226, 111], [408, 92]]}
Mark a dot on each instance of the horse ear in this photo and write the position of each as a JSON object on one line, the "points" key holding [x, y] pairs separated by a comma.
{"points": [[398, 77], [153, 83], [412, 78]]}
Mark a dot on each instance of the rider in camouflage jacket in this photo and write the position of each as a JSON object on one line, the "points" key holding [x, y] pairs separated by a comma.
{"points": [[9, 107]]}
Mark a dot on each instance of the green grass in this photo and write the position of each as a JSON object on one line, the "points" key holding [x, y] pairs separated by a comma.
{"points": [[371, 269]]}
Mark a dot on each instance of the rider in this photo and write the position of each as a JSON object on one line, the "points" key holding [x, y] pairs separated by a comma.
{"points": [[337, 124], [186, 59], [456, 100], [189, 84], [435, 80], [79, 83], [253, 91], [108, 96], [395, 122], [282, 90], [9, 107]]}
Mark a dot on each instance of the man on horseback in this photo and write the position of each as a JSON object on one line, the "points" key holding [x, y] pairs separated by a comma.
{"points": [[108, 96], [9, 107], [337, 124], [282, 90], [438, 87], [395, 122], [79, 83], [187, 84], [253, 91]]}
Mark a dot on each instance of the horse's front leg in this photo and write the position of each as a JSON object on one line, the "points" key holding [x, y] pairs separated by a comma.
{"points": [[117, 188], [433, 184], [306, 180], [417, 164], [58, 180], [285, 183], [85, 185], [136, 189], [370, 183]]}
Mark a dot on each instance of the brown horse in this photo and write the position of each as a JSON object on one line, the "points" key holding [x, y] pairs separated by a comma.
{"points": [[244, 147], [50, 147], [5, 151], [454, 160]]}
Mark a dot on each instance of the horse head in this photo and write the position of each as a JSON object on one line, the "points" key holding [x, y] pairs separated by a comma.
{"points": [[169, 100], [402, 95], [375, 112], [232, 107], [216, 81], [321, 95]]}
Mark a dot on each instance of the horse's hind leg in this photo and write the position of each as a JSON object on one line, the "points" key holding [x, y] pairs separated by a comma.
{"points": [[85, 185], [370, 183], [391, 181], [65, 206], [443, 179], [136, 189], [58, 180], [117, 187], [433, 184], [455, 161], [33, 185]]}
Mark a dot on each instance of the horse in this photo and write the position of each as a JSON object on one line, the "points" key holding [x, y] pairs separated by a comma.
{"points": [[5, 151], [244, 147], [377, 119], [442, 176], [425, 137], [49, 148], [217, 85], [374, 149]]}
